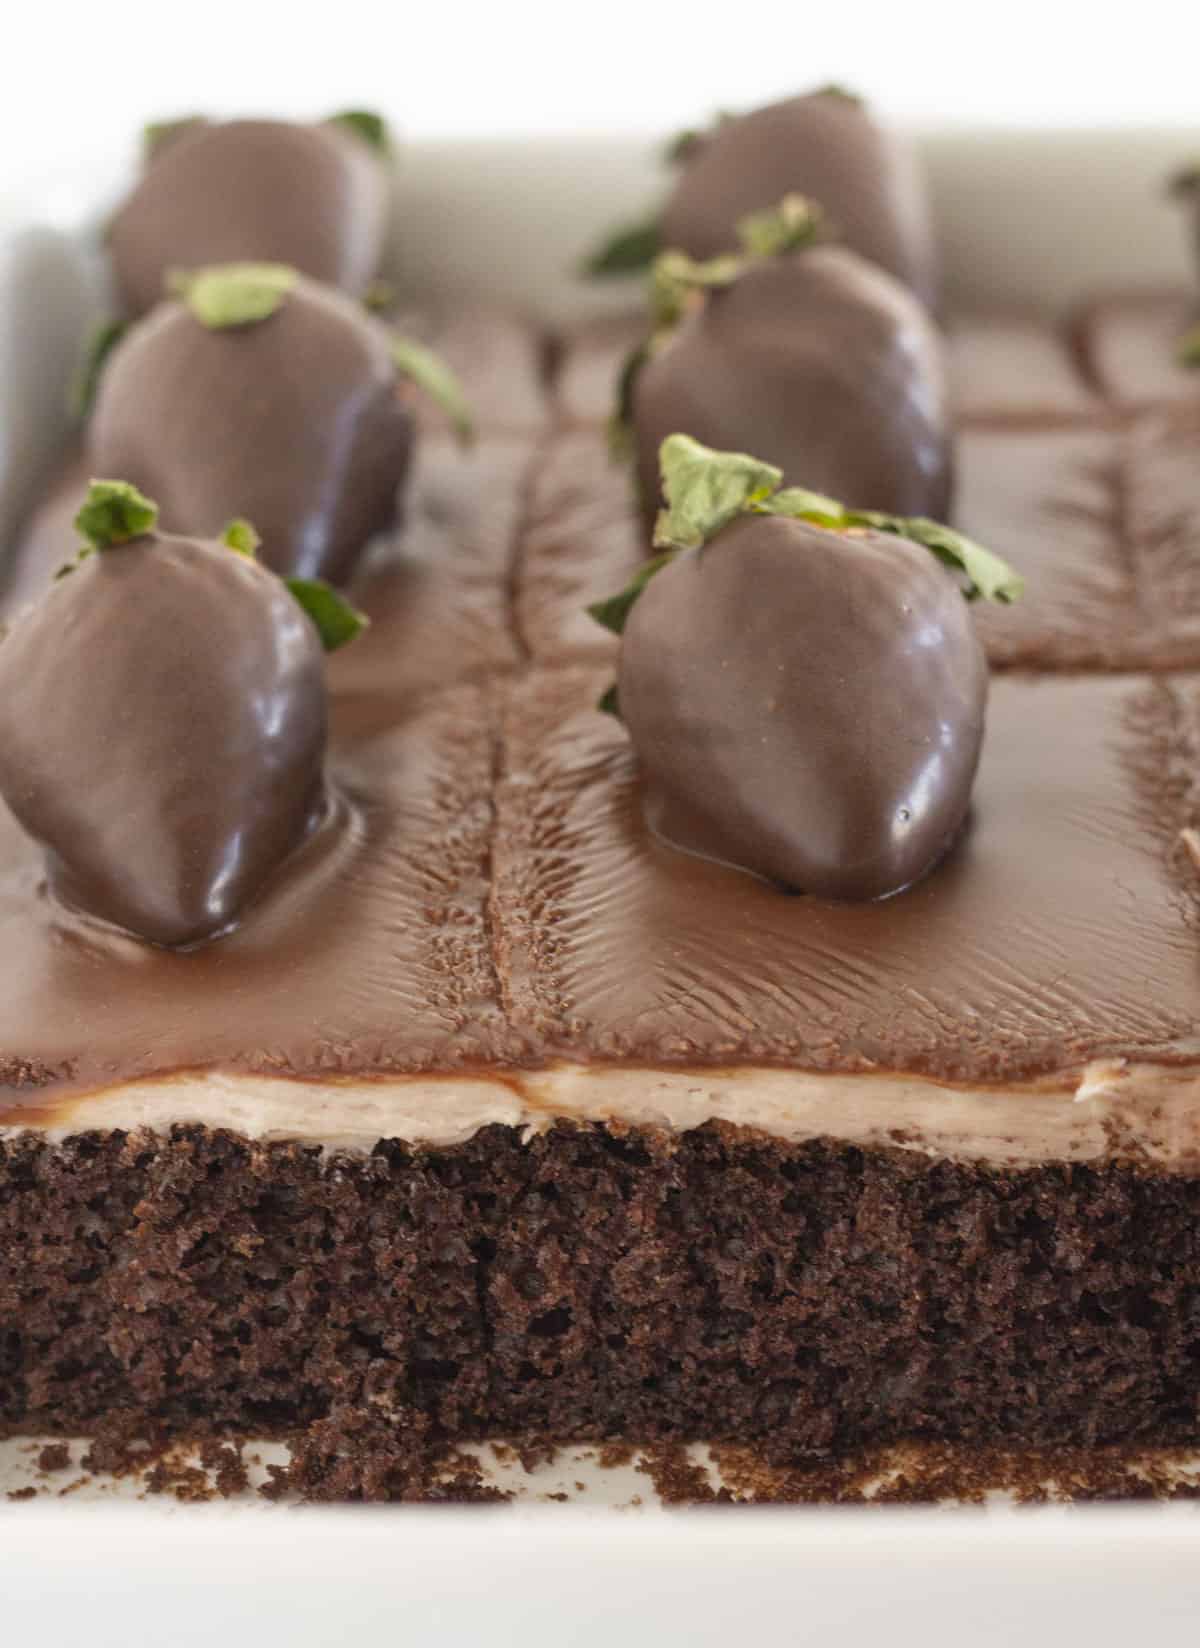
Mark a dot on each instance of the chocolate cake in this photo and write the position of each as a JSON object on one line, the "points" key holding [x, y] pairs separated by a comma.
{"points": [[494, 1115]]}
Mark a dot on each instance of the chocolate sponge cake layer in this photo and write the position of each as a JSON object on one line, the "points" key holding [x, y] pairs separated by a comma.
{"points": [[597, 1283]]}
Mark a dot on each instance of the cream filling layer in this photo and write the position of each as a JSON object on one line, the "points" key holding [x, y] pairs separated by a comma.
{"points": [[1109, 1109]]}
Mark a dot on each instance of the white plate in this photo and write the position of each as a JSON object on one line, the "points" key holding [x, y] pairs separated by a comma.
{"points": [[124, 1578]]}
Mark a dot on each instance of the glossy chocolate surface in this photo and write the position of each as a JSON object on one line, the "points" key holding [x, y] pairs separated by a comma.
{"points": [[1104, 522], [822, 145], [1096, 505], [1061, 928], [296, 422], [583, 541], [497, 357], [1129, 346], [816, 362], [496, 899], [366, 952], [314, 197], [1012, 368], [806, 705], [163, 733]]}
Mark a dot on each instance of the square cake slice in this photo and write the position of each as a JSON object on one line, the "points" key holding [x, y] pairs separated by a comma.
{"points": [[520, 1124]]}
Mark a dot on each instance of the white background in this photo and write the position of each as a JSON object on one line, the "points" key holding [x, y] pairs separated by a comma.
{"points": [[79, 79]]}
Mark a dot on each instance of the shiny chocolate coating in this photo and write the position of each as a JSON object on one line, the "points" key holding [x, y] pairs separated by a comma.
{"points": [[315, 197], [164, 727], [497, 904], [819, 363], [295, 422], [823, 145], [807, 705]]}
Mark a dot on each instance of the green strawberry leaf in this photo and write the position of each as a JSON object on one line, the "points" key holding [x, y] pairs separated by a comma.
{"points": [[239, 535], [364, 123], [705, 490], [113, 513], [336, 620], [233, 294], [628, 251], [430, 373], [85, 380]]}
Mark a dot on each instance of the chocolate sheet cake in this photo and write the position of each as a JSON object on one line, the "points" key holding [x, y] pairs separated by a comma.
{"points": [[497, 1117]]}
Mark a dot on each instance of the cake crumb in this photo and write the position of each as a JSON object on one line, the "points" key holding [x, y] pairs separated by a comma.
{"points": [[16, 1494], [369, 1454], [933, 1474], [224, 1461], [612, 1455], [677, 1479], [186, 1483], [55, 1456], [536, 1453]]}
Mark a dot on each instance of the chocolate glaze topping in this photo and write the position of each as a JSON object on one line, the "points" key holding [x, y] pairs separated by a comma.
{"points": [[1010, 368], [314, 197], [1061, 927], [295, 421], [365, 953], [806, 704], [819, 363], [495, 899], [164, 729], [458, 923], [1130, 346], [824, 145]]}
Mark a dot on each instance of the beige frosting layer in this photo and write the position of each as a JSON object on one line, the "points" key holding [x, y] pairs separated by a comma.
{"points": [[1109, 1109]]}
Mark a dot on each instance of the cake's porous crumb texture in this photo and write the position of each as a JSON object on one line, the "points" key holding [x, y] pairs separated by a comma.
{"points": [[805, 1301]]}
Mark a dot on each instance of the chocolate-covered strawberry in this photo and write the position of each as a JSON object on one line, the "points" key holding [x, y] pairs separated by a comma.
{"points": [[257, 390], [312, 196], [164, 721], [802, 683], [827, 145], [804, 353]]}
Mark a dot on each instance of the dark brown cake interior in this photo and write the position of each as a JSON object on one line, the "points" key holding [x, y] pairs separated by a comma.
{"points": [[594, 1284]]}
